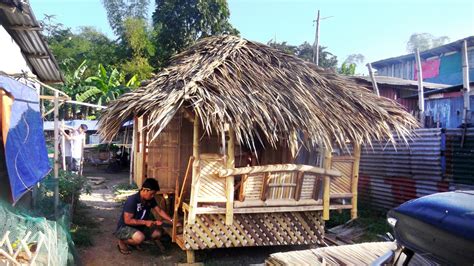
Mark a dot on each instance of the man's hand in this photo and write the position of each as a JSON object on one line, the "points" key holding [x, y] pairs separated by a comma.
{"points": [[149, 223], [158, 223]]}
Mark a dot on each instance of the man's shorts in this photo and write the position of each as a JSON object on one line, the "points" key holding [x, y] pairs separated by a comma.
{"points": [[127, 232], [75, 164]]}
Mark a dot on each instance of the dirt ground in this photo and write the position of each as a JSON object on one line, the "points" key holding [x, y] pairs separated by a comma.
{"points": [[104, 251]]}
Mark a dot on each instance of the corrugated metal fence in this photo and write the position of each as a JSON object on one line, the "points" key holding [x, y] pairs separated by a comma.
{"points": [[436, 160]]}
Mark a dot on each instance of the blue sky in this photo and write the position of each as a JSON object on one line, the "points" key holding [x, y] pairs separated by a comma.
{"points": [[375, 28]]}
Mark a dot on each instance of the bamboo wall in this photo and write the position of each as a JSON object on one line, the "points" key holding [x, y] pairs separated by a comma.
{"points": [[167, 156], [163, 155]]}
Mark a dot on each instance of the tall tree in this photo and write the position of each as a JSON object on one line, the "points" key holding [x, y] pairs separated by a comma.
{"points": [[347, 69], [179, 23], [425, 41], [71, 49], [137, 37], [119, 10], [355, 59]]}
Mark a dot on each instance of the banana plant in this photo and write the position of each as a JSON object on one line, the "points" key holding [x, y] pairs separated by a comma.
{"points": [[106, 86]]}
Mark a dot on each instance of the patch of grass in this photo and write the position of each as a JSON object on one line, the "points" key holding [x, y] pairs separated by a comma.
{"points": [[124, 186], [83, 227], [374, 222], [123, 190]]}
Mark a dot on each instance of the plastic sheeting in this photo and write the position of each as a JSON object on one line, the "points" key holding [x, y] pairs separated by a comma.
{"points": [[25, 147]]}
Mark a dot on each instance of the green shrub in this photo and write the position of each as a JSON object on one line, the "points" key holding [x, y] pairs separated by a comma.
{"points": [[71, 186]]}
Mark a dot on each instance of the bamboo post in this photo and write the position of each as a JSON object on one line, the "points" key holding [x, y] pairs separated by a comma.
{"points": [[144, 145], [229, 214], [195, 177], [355, 180], [190, 256], [134, 149], [56, 153], [466, 86], [372, 77], [326, 183], [421, 96], [63, 145]]}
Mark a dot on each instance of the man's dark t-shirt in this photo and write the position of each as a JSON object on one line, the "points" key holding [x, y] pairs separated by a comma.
{"points": [[141, 209]]}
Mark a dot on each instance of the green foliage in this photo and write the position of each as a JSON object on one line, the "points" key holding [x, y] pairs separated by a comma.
{"points": [[119, 10], [72, 49], [105, 86], [137, 37], [305, 52], [71, 186], [347, 69], [179, 23], [139, 67], [84, 227], [425, 41], [124, 186]]}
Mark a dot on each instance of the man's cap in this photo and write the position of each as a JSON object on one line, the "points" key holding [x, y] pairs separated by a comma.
{"points": [[84, 127], [152, 184]]}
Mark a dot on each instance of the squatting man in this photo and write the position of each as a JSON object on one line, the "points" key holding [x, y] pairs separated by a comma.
{"points": [[135, 224]]}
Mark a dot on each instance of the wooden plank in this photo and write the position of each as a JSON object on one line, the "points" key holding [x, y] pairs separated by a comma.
{"points": [[144, 142], [229, 217], [190, 256], [242, 187], [282, 185], [299, 185], [217, 210], [195, 177], [326, 184], [276, 202], [341, 195], [175, 212], [266, 179], [279, 168], [355, 180]]}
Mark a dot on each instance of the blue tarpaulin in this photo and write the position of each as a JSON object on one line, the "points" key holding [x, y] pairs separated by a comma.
{"points": [[25, 149]]}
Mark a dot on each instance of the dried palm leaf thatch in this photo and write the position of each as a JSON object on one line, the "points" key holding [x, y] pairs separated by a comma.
{"points": [[262, 93]]}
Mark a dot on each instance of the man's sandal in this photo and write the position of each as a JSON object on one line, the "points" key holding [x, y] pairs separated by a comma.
{"points": [[124, 251]]}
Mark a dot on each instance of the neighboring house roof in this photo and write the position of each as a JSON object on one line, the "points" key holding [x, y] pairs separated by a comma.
{"points": [[19, 21], [450, 47], [445, 90], [398, 82], [262, 93]]}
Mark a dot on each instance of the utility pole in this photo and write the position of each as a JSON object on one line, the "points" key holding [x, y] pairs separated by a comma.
{"points": [[316, 42], [421, 95], [316, 39]]}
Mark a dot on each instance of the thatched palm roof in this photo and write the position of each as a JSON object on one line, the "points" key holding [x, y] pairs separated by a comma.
{"points": [[262, 93]]}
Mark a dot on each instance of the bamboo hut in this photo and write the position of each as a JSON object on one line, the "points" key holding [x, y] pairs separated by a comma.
{"points": [[197, 121]]}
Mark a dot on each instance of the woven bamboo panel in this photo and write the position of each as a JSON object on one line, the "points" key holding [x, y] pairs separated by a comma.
{"points": [[253, 186], [307, 190], [342, 184], [257, 229], [282, 185], [211, 186]]}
